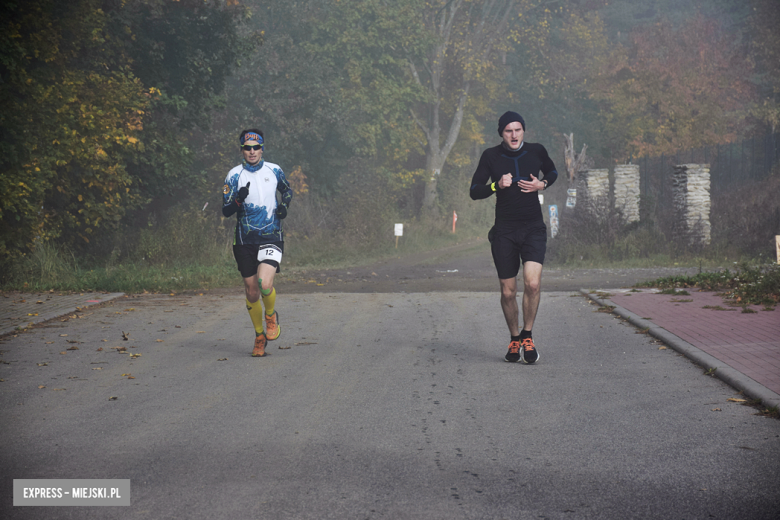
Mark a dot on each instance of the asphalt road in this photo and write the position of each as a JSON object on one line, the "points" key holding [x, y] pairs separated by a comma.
{"points": [[377, 405]]}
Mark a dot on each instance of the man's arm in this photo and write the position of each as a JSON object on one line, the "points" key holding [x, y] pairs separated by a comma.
{"points": [[283, 187], [479, 187], [548, 169], [229, 192]]}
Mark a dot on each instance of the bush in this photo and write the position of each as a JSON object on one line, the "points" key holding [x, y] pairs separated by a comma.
{"points": [[599, 234]]}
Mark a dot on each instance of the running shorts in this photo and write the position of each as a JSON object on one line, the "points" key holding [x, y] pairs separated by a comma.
{"points": [[526, 242], [246, 257]]}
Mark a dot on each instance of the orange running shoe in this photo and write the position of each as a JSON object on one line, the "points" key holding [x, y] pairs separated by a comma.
{"points": [[530, 355], [272, 328], [259, 350], [513, 355]]}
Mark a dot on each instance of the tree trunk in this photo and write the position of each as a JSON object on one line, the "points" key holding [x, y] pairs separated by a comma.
{"points": [[574, 162], [480, 29]]}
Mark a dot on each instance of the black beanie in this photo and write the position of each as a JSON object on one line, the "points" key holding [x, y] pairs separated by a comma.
{"points": [[509, 117]]}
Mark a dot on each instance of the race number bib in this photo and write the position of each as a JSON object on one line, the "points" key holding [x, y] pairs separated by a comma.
{"points": [[269, 253]]}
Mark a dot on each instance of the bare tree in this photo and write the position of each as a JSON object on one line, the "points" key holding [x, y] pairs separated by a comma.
{"points": [[574, 162], [466, 34]]}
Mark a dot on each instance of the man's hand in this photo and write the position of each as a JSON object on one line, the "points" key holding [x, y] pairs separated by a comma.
{"points": [[281, 212], [531, 186], [243, 193], [505, 181]]}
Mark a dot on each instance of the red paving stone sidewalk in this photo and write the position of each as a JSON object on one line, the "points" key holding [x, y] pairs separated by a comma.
{"points": [[747, 342]]}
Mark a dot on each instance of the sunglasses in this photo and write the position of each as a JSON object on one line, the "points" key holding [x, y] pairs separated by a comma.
{"points": [[252, 146]]}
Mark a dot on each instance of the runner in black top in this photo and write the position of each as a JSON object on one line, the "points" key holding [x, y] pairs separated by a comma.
{"points": [[511, 170]]}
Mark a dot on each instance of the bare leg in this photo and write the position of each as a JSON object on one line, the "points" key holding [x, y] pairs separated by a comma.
{"points": [[532, 284], [509, 304], [266, 273], [251, 289]]}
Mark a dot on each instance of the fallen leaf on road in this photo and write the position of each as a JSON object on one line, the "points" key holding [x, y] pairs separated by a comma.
{"points": [[716, 410], [113, 398], [662, 348], [133, 356], [125, 375], [167, 311], [284, 348], [97, 368], [101, 348], [49, 342], [130, 377], [305, 343], [130, 309], [63, 352], [124, 336], [39, 301], [222, 359], [177, 326], [73, 348], [32, 313], [735, 400], [104, 340], [43, 364], [120, 349], [159, 341], [63, 335], [201, 332], [59, 389], [41, 386]]}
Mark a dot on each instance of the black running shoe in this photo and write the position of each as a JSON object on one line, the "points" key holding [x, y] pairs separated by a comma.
{"points": [[513, 355], [530, 354]]}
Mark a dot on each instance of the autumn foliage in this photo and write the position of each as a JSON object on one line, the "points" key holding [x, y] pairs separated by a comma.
{"points": [[675, 88]]}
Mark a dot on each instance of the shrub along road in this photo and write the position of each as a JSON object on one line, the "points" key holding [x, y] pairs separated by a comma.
{"points": [[377, 405]]}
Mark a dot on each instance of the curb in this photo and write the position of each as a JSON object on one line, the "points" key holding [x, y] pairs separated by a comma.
{"points": [[72, 304], [722, 371]]}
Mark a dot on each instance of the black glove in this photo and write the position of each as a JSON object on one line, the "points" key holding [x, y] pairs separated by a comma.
{"points": [[242, 193], [281, 212]]}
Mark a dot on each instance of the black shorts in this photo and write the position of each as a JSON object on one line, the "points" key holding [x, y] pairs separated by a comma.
{"points": [[246, 257], [527, 242]]}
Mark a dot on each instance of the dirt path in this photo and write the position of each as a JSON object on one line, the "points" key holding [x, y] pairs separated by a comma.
{"points": [[462, 267]]}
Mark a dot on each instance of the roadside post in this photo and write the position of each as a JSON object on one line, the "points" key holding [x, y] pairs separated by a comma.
{"points": [[454, 219], [399, 232], [571, 197], [777, 245], [553, 219]]}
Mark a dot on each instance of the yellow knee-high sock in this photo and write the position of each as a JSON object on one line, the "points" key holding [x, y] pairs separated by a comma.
{"points": [[269, 300], [256, 313]]}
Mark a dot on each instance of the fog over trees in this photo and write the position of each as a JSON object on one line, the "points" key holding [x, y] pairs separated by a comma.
{"points": [[117, 114]]}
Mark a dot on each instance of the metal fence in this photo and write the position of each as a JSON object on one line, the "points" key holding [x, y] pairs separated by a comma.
{"points": [[730, 164]]}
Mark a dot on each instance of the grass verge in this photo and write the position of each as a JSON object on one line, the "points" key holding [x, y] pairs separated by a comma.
{"points": [[745, 285]]}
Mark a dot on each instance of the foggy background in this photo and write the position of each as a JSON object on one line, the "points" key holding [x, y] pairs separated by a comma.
{"points": [[120, 120]]}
